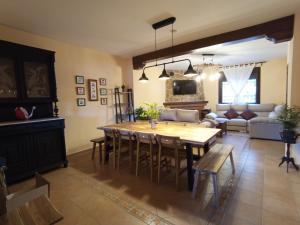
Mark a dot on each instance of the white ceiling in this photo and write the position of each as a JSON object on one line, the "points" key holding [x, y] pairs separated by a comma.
{"points": [[246, 52], [123, 27]]}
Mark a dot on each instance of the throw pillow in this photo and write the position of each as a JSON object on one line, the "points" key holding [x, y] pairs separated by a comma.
{"points": [[248, 114], [231, 114]]}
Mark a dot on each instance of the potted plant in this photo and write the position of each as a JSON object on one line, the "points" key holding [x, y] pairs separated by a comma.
{"points": [[123, 87], [140, 113], [152, 111], [290, 118]]}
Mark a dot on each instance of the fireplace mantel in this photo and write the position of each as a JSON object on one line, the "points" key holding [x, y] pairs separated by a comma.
{"points": [[198, 105]]}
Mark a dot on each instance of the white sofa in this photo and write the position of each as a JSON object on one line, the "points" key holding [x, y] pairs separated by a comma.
{"points": [[264, 126]]}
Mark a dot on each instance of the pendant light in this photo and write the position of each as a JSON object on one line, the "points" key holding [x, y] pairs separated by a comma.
{"points": [[190, 72], [164, 75], [143, 78]]}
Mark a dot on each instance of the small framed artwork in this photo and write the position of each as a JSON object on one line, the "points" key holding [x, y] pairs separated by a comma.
{"points": [[93, 90], [103, 101], [103, 91], [79, 79], [102, 81], [80, 91], [80, 101]]}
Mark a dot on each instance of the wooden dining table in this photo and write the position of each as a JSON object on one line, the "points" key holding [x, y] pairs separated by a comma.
{"points": [[189, 134]]}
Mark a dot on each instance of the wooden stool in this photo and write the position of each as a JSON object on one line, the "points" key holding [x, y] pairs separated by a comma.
{"points": [[96, 141]]}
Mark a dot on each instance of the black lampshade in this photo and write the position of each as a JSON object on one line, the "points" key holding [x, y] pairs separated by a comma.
{"points": [[143, 78], [190, 71], [164, 75]]}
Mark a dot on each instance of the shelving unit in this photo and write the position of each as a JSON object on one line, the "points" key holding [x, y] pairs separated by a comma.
{"points": [[124, 106]]}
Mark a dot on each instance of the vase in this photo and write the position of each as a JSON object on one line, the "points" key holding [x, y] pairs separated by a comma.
{"points": [[153, 123], [288, 136]]}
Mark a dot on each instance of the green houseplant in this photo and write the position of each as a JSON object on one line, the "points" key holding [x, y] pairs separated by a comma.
{"points": [[149, 111], [289, 117]]}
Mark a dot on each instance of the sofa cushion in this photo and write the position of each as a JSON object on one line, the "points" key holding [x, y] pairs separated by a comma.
{"points": [[273, 115], [221, 114], [248, 114], [239, 107], [231, 114], [237, 122], [263, 120], [211, 116], [168, 114], [222, 107], [261, 107], [188, 115], [262, 114], [219, 119]]}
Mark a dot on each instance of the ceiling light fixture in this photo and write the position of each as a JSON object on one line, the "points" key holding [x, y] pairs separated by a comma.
{"points": [[164, 75]]}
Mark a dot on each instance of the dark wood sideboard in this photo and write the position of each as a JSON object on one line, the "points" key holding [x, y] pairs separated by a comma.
{"points": [[27, 79], [196, 105], [32, 146]]}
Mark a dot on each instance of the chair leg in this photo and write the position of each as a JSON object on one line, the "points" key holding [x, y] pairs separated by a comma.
{"points": [[198, 148], [151, 163], [119, 153], [94, 149], [232, 163], [137, 158], [114, 153], [159, 164], [196, 178], [177, 167], [130, 150], [216, 189], [100, 153]]}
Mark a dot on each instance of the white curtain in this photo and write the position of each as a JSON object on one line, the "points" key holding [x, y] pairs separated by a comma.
{"points": [[237, 77]]}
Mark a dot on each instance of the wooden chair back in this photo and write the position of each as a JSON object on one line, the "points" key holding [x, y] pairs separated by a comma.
{"points": [[125, 134], [168, 141], [145, 138]]}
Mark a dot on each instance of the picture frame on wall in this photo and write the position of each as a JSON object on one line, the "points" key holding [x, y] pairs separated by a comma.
{"points": [[81, 102], [93, 90], [103, 101], [103, 91], [102, 81], [79, 79], [80, 90]]}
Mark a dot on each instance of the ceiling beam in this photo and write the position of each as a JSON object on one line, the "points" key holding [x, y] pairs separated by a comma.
{"points": [[277, 31]]}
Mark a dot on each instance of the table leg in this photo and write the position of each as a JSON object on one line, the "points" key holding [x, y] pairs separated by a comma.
{"points": [[190, 172], [206, 147]]}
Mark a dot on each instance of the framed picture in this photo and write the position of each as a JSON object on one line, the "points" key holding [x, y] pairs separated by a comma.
{"points": [[80, 101], [103, 101], [93, 90], [79, 79], [80, 91], [102, 81], [103, 91]]}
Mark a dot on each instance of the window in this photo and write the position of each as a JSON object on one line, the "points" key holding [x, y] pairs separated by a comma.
{"points": [[250, 93]]}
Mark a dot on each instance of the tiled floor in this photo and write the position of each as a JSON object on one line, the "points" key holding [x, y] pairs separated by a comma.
{"points": [[260, 192]]}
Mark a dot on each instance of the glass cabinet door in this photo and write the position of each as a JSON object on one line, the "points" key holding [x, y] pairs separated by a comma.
{"points": [[8, 84], [36, 79]]}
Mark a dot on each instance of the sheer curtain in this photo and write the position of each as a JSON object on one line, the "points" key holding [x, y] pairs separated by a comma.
{"points": [[237, 77]]}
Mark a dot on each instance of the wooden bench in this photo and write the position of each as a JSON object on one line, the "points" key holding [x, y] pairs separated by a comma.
{"points": [[211, 163], [96, 141]]}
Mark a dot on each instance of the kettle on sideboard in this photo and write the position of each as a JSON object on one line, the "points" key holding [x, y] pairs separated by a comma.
{"points": [[22, 114]]}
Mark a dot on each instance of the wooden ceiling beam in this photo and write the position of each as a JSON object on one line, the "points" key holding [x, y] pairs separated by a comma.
{"points": [[277, 31]]}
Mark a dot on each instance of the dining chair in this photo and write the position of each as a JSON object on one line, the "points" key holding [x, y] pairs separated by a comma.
{"points": [[110, 139], [147, 144], [125, 145], [170, 147]]}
